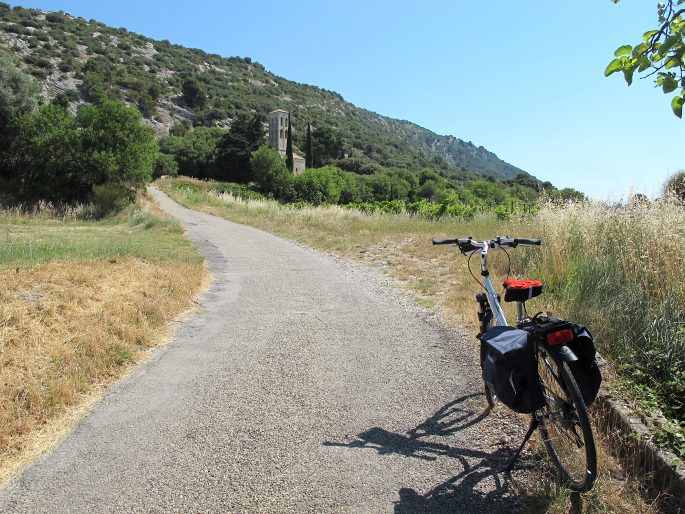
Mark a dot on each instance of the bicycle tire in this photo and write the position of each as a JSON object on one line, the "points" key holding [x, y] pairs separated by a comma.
{"points": [[490, 395], [564, 424]]}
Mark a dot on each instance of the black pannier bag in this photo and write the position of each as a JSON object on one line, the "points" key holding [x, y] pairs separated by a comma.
{"points": [[586, 370], [510, 368], [553, 332]]}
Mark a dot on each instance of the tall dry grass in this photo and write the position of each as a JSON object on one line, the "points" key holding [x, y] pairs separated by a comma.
{"points": [[621, 271]]}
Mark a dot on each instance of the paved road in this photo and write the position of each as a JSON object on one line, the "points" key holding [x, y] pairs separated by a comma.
{"points": [[304, 384]]}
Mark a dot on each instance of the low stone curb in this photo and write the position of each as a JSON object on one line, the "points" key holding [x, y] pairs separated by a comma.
{"points": [[659, 470]]}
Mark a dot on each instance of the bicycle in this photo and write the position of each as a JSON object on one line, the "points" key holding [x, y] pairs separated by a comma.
{"points": [[562, 418]]}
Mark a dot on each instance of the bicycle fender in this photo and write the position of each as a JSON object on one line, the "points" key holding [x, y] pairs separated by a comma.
{"points": [[563, 353]]}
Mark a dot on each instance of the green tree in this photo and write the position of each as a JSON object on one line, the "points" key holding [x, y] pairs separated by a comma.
{"points": [[180, 128], [195, 151], [328, 146], [104, 150], [165, 164], [392, 184], [64, 98], [18, 91], [325, 185], [562, 196], [194, 94], [114, 146], [309, 157], [235, 149], [356, 164], [660, 54], [289, 147], [42, 158], [270, 172], [429, 190]]}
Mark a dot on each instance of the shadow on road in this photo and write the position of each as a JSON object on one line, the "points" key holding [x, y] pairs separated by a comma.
{"points": [[480, 486]]}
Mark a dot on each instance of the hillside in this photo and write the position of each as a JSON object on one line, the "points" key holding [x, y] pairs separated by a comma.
{"points": [[82, 61]]}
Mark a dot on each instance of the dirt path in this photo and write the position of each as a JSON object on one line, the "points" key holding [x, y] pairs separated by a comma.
{"points": [[304, 384]]}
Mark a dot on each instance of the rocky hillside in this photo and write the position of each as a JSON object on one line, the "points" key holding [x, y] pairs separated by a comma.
{"points": [[82, 61]]}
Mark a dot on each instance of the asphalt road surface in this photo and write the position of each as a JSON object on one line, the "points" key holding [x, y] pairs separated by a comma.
{"points": [[303, 384]]}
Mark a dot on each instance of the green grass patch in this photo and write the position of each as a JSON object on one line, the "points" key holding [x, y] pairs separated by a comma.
{"points": [[33, 238]]}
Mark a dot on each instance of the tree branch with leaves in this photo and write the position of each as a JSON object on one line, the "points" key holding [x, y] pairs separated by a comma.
{"points": [[660, 53]]}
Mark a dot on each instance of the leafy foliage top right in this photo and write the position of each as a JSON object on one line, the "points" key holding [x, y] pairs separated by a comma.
{"points": [[660, 53]]}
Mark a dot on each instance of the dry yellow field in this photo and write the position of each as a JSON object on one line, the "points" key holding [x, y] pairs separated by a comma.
{"points": [[80, 304]]}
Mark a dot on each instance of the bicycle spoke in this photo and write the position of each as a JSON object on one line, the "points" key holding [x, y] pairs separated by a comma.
{"points": [[564, 434]]}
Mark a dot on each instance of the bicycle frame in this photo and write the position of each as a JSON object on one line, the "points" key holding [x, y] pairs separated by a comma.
{"points": [[490, 289]]}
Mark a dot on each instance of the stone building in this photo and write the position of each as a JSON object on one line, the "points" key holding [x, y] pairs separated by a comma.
{"points": [[278, 137]]}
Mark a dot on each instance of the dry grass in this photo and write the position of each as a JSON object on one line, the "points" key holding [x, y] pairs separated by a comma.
{"points": [[71, 325], [401, 247]]}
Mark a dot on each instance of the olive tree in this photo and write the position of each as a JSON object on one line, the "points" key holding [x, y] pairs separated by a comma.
{"points": [[18, 91]]}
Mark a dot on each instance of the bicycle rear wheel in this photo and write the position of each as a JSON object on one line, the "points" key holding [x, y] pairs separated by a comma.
{"points": [[564, 424]]}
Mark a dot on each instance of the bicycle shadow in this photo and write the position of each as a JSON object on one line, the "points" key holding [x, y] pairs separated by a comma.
{"points": [[480, 485]]}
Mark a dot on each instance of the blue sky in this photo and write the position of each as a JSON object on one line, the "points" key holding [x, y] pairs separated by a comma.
{"points": [[523, 79]]}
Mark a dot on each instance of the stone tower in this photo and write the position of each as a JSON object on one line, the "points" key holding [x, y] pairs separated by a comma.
{"points": [[278, 138], [278, 129]]}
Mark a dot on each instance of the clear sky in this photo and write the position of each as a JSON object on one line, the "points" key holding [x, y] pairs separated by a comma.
{"points": [[524, 79]]}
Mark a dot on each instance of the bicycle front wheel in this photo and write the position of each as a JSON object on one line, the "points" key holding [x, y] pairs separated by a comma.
{"points": [[564, 424]]}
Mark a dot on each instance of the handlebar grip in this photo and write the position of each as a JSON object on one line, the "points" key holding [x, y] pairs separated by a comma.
{"points": [[465, 245], [527, 241]]}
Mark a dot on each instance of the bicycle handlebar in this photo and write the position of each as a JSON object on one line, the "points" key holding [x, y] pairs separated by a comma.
{"points": [[449, 241], [517, 241], [469, 244]]}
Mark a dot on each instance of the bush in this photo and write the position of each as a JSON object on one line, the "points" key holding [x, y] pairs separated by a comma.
{"points": [[18, 91], [194, 94], [270, 172], [66, 66], [165, 165], [195, 151], [111, 197], [115, 146], [675, 186], [501, 212], [64, 98]]}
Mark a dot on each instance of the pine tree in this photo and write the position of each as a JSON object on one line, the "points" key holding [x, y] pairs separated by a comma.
{"points": [[289, 148], [309, 162]]}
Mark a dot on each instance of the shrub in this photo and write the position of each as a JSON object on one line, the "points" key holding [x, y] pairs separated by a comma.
{"points": [[675, 185], [270, 172], [111, 197], [115, 146], [165, 164], [501, 212], [64, 98], [66, 65], [18, 91]]}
